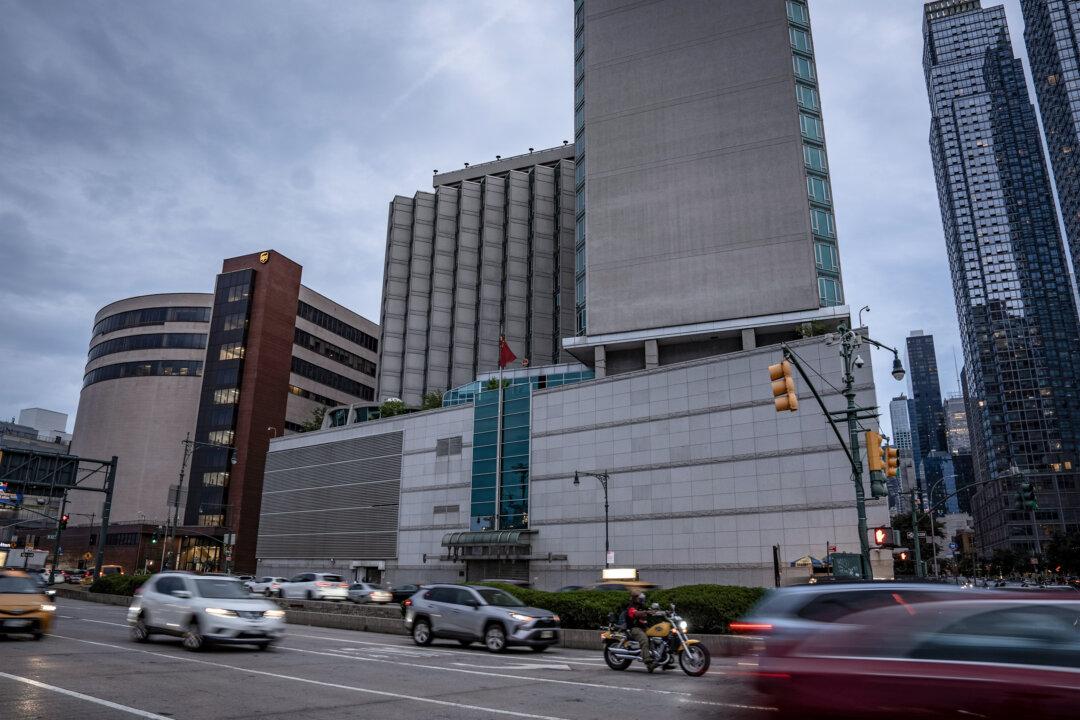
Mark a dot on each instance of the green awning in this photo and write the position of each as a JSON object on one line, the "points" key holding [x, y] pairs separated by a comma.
{"points": [[487, 538]]}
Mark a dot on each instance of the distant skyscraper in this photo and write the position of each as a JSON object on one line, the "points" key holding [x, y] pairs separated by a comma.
{"points": [[957, 435], [1018, 320], [928, 425], [1052, 35], [900, 417]]}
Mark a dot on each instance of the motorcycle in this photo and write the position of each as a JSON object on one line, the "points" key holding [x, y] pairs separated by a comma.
{"points": [[667, 638]]}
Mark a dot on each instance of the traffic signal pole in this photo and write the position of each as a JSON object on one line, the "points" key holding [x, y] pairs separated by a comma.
{"points": [[847, 349], [60, 522]]}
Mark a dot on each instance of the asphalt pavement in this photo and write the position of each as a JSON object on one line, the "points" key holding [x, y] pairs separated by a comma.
{"points": [[88, 669]]}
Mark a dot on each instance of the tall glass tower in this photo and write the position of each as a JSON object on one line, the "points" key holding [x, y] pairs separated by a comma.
{"points": [[1018, 320], [928, 425], [1052, 35]]}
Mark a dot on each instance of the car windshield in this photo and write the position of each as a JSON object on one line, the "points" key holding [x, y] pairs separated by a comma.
{"points": [[18, 585], [332, 578], [492, 596], [221, 589]]}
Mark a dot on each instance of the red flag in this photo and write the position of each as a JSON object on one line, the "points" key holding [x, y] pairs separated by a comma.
{"points": [[506, 355]]}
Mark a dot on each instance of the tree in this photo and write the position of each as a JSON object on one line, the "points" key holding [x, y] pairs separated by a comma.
{"points": [[1064, 552], [432, 400], [392, 407], [493, 384], [1006, 562], [315, 421]]}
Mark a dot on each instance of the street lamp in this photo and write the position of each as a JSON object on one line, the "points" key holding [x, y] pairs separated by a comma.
{"points": [[603, 478]]}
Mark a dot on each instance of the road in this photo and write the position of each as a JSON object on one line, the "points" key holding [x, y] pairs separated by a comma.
{"points": [[87, 668]]}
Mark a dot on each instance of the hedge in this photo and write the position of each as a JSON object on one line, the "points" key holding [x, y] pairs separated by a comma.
{"points": [[118, 584], [707, 608]]}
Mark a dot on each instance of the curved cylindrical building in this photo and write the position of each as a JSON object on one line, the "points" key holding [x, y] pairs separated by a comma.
{"points": [[139, 399]]}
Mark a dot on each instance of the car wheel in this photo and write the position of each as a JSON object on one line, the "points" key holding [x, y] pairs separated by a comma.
{"points": [[140, 633], [193, 639], [421, 632], [264, 646], [465, 643], [495, 638]]}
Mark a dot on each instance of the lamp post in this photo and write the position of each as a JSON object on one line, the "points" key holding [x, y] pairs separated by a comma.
{"points": [[603, 477]]}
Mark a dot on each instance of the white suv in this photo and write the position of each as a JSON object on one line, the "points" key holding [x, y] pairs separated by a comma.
{"points": [[203, 610], [315, 586]]}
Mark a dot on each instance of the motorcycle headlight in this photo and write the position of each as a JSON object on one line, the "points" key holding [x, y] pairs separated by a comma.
{"points": [[520, 618], [220, 612], [683, 626]]}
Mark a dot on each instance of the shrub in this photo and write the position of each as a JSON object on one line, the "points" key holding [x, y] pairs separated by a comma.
{"points": [[118, 584], [707, 608]]}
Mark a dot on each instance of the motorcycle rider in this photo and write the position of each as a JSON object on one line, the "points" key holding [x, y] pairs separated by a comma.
{"points": [[637, 620]]}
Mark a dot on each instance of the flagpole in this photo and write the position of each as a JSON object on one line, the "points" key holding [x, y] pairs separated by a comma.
{"points": [[499, 435]]}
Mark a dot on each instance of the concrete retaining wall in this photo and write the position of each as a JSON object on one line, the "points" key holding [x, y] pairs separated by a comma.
{"points": [[387, 619]]}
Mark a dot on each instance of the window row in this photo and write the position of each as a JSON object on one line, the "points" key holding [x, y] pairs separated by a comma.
{"points": [[307, 340], [151, 316], [336, 326], [151, 341], [180, 368], [331, 379]]}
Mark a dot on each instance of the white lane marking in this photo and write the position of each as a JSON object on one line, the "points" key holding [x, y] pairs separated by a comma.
{"points": [[88, 698], [516, 666], [103, 622], [281, 676], [684, 696]]}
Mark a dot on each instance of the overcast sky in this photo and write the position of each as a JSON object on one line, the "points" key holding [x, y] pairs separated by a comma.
{"points": [[143, 142]]}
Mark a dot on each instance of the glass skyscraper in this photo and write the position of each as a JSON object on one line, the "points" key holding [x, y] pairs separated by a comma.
{"points": [[1018, 320], [928, 425], [1052, 35]]}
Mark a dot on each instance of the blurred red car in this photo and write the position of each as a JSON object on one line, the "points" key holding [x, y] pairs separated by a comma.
{"points": [[1006, 657]]}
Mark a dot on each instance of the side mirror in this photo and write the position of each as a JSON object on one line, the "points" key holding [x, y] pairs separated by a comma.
{"points": [[183, 594]]}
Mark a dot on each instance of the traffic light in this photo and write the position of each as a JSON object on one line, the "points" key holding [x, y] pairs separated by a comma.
{"points": [[884, 537], [875, 456], [154, 537], [902, 555], [63, 521], [1027, 496], [892, 461], [783, 387]]}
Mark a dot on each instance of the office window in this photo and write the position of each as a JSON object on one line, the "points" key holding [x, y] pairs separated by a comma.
{"points": [[826, 257], [829, 292], [215, 478], [821, 221], [231, 351], [237, 292], [811, 127], [221, 437], [796, 12], [233, 321], [804, 67], [806, 96], [817, 188], [226, 396], [814, 158], [800, 39]]}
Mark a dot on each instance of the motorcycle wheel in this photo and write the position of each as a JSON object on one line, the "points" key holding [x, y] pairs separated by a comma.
{"points": [[613, 662], [694, 660]]}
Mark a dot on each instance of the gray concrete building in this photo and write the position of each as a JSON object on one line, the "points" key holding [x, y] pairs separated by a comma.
{"points": [[705, 220], [489, 252], [705, 478]]}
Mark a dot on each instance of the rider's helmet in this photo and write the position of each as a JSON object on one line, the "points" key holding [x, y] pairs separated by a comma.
{"points": [[640, 599]]}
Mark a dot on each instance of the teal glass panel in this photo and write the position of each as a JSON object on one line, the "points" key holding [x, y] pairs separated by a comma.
{"points": [[484, 521], [483, 495], [484, 466], [796, 12], [826, 257], [821, 221], [514, 522], [484, 452], [517, 420], [804, 67], [800, 39], [818, 189], [814, 158], [515, 434], [806, 96], [482, 480]]}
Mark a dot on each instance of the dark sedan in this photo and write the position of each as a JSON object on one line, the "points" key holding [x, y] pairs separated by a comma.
{"points": [[402, 593]]}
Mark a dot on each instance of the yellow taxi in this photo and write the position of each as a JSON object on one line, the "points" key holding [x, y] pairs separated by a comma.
{"points": [[24, 606]]}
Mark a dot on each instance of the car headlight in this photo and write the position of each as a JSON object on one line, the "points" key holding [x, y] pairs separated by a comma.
{"points": [[683, 626], [520, 618], [556, 618], [274, 613], [48, 608], [220, 612]]}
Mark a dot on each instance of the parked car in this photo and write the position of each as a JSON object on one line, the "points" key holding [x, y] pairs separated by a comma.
{"points": [[203, 610], [470, 613], [362, 592], [788, 615], [402, 593], [111, 570], [315, 586], [1002, 656], [74, 577], [24, 607], [267, 585]]}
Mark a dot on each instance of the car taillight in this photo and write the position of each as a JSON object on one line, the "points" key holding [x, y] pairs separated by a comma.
{"points": [[749, 627], [407, 603], [344, 585], [322, 584]]}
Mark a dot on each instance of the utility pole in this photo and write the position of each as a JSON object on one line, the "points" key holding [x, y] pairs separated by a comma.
{"points": [[852, 414]]}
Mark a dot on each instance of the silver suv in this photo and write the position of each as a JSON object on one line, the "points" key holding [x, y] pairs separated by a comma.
{"points": [[469, 614]]}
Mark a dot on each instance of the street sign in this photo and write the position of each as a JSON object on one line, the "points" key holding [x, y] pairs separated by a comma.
{"points": [[910, 535], [11, 498], [27, 554], [610, 557]]}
